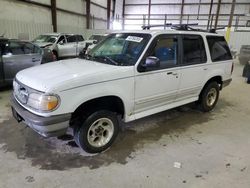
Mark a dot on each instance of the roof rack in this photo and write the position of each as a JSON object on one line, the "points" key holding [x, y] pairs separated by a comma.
{"points": [[182, 27]]}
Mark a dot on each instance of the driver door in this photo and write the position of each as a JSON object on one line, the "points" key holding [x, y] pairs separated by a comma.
{"points": [[158, 86]]}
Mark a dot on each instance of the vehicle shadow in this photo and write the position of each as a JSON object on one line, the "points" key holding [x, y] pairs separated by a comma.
{"points": [[62, 153]]}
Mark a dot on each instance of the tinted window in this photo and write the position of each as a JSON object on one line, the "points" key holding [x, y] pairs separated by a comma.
{"points": [[79, 38], [71, 38], [165, 48], [193, 50], [16, 48], [218, 48], [61, 39], [30, 48], [37, 50]]}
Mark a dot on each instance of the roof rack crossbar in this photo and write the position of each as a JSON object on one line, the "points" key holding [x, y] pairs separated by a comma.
{"points": [[181, 27]]}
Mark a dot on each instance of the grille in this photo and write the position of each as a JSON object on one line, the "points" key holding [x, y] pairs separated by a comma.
{"points": [[20, 92]]}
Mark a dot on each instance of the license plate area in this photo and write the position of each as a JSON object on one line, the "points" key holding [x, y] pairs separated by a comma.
{"points": [[16, 115]]}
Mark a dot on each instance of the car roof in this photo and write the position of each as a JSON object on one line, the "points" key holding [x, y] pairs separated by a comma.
{"points": [[57, 34], [157, 32], [105, 34]]}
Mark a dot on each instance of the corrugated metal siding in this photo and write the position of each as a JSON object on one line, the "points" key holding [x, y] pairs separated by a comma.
{"points": [[13, 29]]}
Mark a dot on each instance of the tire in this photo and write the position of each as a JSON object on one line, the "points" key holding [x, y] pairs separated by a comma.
{"points": [[97, 132], [209, 97]]}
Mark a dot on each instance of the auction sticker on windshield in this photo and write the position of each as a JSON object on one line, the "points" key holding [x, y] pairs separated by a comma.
{"points": [[134, 39]]}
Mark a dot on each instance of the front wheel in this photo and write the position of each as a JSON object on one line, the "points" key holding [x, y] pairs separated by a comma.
{"points": [[209, 96], [97, 132]]}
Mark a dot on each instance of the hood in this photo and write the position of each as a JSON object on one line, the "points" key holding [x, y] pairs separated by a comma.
{"points": [[65, 74], [43, 44]]}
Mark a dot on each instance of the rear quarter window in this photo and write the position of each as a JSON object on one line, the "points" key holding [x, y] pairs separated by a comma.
{"points": [[218, 48]]}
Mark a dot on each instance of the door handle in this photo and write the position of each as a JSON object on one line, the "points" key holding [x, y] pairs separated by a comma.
{"points": [[205, 69], [173, 73]]}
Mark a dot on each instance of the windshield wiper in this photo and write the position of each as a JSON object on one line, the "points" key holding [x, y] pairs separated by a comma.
{"points": [[105, 58], [111, 60]]}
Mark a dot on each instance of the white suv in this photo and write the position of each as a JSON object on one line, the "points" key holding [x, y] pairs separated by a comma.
{"points": [[131, 74]]}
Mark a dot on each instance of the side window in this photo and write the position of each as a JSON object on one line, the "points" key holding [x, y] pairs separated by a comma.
{"points": [[218, 48], [165, 48], [193, 50], [71, 38], [79, 38], [16, 48], [61, 38], [28, 48], [37, 50]]}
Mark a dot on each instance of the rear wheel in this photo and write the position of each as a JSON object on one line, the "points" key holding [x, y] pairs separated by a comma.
{"points": [[97, 132], [209, 96]]}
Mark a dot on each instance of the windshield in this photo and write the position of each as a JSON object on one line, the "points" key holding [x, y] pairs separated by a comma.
{"points": [[46, 38], [122, 49]]}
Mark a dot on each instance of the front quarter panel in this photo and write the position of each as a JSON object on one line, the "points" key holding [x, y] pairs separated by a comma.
{"points": [[123, 88]]}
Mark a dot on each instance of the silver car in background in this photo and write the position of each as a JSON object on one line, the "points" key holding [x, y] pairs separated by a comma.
{"points": [[16, 55], [62, 45]]}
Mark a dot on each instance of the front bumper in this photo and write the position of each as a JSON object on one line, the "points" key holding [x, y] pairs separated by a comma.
{"points": [[45, 126]]}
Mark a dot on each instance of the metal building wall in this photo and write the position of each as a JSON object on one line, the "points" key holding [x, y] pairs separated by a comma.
{"points": [[194, 11], [27, 20]]}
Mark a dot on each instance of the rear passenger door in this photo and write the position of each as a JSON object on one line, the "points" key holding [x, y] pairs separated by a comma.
{"points": [[193, 66]]}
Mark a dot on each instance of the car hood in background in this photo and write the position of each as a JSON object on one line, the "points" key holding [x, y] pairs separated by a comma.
{"points": [[67, 74], [43, 44]]}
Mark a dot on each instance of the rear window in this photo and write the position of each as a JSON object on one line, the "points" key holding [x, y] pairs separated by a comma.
{"points": [[71, 38], [193, 50], [218, 48]]}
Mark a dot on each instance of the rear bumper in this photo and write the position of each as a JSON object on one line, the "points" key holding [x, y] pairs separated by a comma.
{"points": [[226, 82], [45, 126]]}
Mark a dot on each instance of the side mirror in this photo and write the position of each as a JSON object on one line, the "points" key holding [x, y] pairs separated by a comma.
{"points": [[61, 42], [151, 62]]}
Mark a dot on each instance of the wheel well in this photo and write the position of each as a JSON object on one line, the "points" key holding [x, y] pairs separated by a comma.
{"points": [[55, 52], [112, 103], [217, 79]]}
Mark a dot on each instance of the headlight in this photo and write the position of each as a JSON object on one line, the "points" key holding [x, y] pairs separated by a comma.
{"points": [[43, 102]]}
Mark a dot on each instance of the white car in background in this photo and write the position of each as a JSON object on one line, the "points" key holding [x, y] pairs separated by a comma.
{"points": [[62, 45]]}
